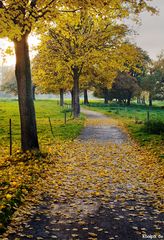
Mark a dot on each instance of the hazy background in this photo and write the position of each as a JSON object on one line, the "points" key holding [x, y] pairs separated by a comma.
{"points": [[151, 33]]}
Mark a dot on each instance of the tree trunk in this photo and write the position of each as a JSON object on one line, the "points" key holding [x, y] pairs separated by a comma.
{"points": [[139, 100], [29, 139], [150, 100], [129, 97], [128, 101], [143, 100], [61, 97], [120, 101], [106, 97], [72, 98], [76, 99], [86, 97]]}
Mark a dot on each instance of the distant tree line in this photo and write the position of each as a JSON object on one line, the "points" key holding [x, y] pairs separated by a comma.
{"points": [[148, 82]]}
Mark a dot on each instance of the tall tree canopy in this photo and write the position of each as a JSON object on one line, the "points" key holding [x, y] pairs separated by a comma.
{"points": [[84, 42], [90, 49], [123, 88]]}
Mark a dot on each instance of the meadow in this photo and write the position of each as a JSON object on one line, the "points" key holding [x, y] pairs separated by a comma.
{"points": [[50, 123]]}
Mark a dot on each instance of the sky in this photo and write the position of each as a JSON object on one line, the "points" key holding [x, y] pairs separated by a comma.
{"points": [[10, 60], [150, 35]]}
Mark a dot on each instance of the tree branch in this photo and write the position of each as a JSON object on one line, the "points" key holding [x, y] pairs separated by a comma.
{"points": [[45, 9], [1, 4], [81, 67], [71, 11]]}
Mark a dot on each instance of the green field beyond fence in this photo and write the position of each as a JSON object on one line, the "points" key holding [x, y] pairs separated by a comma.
{"points": [[136, 112], [51, 122]]}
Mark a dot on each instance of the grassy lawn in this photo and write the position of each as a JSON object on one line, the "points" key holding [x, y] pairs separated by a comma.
{"points": [[134, 118], [21, 172], [48, 114]]}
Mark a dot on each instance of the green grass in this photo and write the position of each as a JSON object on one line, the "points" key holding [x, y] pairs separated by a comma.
{"points": [[138, 112], [134, 118], [46, 111]]}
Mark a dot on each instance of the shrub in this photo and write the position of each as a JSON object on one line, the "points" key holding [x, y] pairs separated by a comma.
{"points": [[154, 126]]}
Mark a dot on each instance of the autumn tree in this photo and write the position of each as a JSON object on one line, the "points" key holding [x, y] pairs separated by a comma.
{"points": [[9, 84], [2, 61], [49, 75], [126, 59], [158, 72], [19, 18], [153, 81], [124, 88], [87, 83], [82, 43], [142, 65]]}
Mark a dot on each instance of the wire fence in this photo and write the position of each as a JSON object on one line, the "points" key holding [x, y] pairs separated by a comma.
{"points": [[139, 115], [47, 127]]}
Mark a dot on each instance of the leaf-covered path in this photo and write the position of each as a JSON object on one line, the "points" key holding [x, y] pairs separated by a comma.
{"points": [[100, 129], [100, 186]]}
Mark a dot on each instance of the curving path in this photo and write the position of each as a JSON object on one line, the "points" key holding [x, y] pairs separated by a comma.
{"points": [[101, 132]]}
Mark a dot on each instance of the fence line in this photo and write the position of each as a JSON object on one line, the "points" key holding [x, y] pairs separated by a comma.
{"points": [[14, 129], [51, 126], [10, 134]]}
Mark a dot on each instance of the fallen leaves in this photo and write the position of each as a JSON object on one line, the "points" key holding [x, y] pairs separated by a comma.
{"points": [[82, 175], [17, 177]]}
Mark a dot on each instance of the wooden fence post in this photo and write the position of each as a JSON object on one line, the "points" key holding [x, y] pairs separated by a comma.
{"points": [[51, 126], [148, 116], [10, 136], [65, 117], [148, 121]]}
